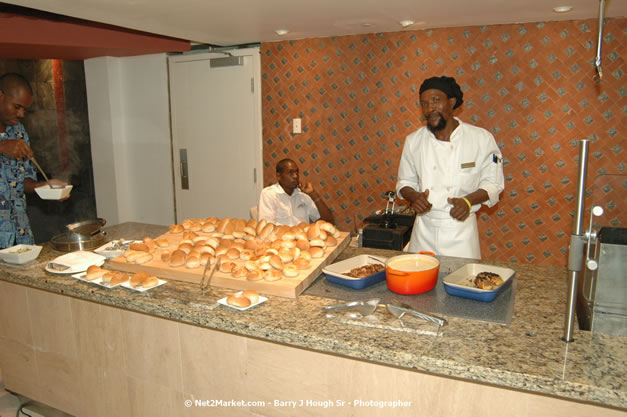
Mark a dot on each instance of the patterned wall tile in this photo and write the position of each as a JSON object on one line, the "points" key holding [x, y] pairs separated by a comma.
{"points": [[531, 85]]}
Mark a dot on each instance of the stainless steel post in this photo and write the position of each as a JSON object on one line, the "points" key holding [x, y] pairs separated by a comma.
{"points": [[576, 247]]}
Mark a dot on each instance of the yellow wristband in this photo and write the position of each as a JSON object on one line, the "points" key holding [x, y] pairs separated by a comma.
{"points": [[467, 202]]}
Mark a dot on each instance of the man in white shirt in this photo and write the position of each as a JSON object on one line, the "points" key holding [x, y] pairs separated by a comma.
{"points": [[448, 169], [289, 202]]}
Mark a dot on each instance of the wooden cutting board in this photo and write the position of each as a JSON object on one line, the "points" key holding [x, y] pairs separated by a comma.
{"points": [[285, 287]]}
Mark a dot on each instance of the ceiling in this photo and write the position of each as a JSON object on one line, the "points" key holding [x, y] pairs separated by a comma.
{"points": [[237, 22]]}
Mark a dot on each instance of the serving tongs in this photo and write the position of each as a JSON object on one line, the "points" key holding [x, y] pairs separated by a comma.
{"points": [[364, 307], [34, 161], [398, 310], [203, 284]]}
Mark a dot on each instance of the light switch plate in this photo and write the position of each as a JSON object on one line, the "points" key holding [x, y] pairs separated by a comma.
{"points": [[296, 126]]}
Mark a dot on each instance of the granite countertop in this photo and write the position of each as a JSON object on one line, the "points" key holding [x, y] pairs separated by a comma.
{"points": [[528, 354]]}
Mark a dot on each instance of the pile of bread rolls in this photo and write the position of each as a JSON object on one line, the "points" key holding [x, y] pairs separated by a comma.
{"points": [[253, 250], [243, 299], [112, 278]]}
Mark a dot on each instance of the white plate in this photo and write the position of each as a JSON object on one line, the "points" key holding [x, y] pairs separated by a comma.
{"points": [[224, 303], [98, 281], [128, 285], [107, 250], [77, 261]]}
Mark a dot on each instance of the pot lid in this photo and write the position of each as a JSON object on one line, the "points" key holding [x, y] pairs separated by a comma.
{"points": [[87, 227]]}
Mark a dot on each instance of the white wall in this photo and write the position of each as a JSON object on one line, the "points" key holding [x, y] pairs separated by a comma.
{"points": [[129, 123]]}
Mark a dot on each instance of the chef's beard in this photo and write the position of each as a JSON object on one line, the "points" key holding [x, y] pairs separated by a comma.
{"points": [[440, 126]]}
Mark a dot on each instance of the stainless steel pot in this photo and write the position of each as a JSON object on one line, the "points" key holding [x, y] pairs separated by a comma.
{"points": [[70, 242]]}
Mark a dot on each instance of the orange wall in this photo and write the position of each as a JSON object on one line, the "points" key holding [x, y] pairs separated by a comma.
{"points": [[531, 85]]}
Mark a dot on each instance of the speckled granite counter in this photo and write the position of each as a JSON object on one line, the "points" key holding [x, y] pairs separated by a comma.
{"points": [[526, 355]]}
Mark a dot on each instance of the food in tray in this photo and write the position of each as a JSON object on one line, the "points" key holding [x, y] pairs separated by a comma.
{"points": [[143, 279], [365, 270], [20, 250], [113, 278], [488, 280], [252, 250], [94, 272]]}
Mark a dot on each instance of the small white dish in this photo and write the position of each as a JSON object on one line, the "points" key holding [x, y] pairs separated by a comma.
{"points": [[76, 262], [46, 193], [20, 254], [128, 285], [98, 281], [224, 303]]}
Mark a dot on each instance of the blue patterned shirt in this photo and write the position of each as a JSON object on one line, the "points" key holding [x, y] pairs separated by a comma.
{"points": [[14, 224]]}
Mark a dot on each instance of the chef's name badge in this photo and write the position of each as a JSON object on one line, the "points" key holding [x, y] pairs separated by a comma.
{"points": [[468, 165]]}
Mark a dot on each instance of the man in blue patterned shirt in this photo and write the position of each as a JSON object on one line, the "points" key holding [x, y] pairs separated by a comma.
{"points": [[17, 174]]}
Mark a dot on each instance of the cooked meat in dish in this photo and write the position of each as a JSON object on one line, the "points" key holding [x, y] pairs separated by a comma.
{"points": [[488, 280], [364, 271]]}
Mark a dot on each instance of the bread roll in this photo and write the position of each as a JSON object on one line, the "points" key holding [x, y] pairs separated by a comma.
{"points": [[94, 272], [246, 254], [212, 220], [148, 241], [208, 227], [118, 278], [260, 225], [267, 230], [251, 227], [192, 262], [239, 271], [222, 224], [236, 301], [272, 275], [290, 270], [150, 282], [204, 258], [302, 244], [254, 275], [276, 262], [227, 266], [300, 236], [232, 253], [313, 232], [326, 226], [142, 259], [138, 278], [132, 255], [252, 295], [316, 252], [317, 242], [177, 258], [195, 227], [165, 256], [163, 242], [302, 263], [305, 254], [213, 242], [186, 247], [176, 228], [139, 247], [285, 255], [331, 241]]}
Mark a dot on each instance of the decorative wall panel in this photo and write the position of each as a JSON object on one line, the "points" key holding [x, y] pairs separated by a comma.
{"points": [[532, 85]]}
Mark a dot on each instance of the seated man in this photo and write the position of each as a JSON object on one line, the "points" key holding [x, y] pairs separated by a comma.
{"points": [[288, 201]]}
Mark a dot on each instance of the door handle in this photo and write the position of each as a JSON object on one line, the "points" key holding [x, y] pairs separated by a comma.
{"points": [[183, 169]]}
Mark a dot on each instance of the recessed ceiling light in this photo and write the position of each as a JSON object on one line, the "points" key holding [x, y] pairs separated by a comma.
{"points": [[366, 25], [406, 23], [281, 32], [562, 9]]}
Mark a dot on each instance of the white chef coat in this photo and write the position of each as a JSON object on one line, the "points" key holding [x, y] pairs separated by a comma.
{"points": [[471, 160], [278, 207]]}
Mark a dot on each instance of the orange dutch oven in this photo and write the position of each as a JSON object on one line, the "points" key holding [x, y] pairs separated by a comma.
{"points": [[414, 273]]}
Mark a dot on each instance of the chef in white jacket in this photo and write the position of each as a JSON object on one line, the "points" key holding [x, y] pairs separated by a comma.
{"points": [[448, 169]]}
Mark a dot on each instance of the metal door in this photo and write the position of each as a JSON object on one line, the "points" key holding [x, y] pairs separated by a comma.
{"points": [[216, 133]]}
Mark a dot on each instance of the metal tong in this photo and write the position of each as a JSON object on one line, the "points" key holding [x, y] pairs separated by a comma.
{"points": [[44, 174], [203, 284], [398, 310]]}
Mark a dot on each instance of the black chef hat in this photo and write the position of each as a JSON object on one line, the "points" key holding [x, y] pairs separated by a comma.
{"points": [[447, 85]]}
